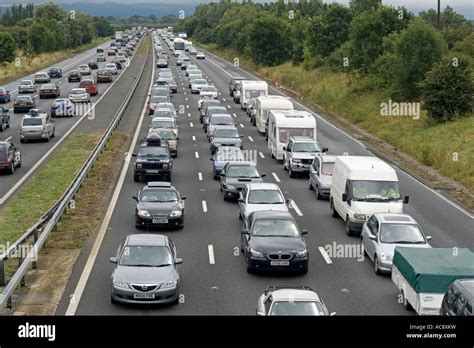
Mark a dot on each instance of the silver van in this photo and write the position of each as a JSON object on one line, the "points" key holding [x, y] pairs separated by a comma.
{"points": [[36, 125]]}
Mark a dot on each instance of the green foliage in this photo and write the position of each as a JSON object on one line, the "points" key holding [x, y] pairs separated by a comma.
{"points": [[364, 5], [448, 88], [7, 47]]}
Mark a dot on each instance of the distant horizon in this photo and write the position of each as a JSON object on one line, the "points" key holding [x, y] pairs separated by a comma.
{"points": [[463, 7]]}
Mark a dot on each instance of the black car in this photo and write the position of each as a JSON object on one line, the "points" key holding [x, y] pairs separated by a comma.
{"points": [[4, 119], [152, 161], [160, 205], [55, 72], [272, 241], [10, 157], [459, 298], [99, 50], [235, 175], [118, 64], [93, 64], [5, 96], [62, 107], [23, 103]]}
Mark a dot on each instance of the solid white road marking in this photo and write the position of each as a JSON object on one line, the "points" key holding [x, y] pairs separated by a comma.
{"points": [[325, 255], [276, 177], [72, 308], [196, 154], [210, 250], [204, 206], [200, 176], [295, 207]]}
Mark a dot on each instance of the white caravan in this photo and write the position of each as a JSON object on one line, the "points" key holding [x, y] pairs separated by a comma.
{"points": [[251, 89], [264, 105], [284, 124]]}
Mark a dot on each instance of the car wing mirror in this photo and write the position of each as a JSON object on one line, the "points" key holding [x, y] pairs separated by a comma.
{"points": [[135, 198], [406, 199], [178, 261], [284, 148], [113, 259], [428, 238], [344, 197], [373, 237], [263, 175], [183, 198], [303, 232]]}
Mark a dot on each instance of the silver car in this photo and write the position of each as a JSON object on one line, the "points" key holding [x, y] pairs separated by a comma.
{"points": [[79, 95], [42, 77], [36, 125], [112, 68], [197, 84], [383, 232], [261, 196], [298, 154], [26, 86], [320, 175], [145, 270], [84, 69]]}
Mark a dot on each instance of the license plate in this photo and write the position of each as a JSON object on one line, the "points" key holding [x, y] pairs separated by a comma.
{"points": [[279, 263], [153, 171], [160, 221], [143, 295]]}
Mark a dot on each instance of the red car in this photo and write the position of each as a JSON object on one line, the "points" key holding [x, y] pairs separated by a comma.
{"points": [[90, 86], [111, 53]]}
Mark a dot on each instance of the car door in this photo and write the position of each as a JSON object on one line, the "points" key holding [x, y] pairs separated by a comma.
{"points": [[287, 154], [370, 230], [246, 222], [314, 172], [15, 155], [49, 125], [243, 203]]}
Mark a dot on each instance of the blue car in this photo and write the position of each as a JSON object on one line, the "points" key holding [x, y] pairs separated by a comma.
{"points": [[4, 96], [62, 107], [223, 155]]}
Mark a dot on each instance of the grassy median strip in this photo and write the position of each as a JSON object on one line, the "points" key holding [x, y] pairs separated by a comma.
{"points": [[145, 45], [13, 71], [46, 187], [447, 147]]}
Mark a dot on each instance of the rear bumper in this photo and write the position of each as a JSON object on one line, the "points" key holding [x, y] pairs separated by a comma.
{"points": [[161, 296], [33, 136]]}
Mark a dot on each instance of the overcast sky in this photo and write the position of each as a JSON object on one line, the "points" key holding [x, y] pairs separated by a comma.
{"points": [[464, 7]]}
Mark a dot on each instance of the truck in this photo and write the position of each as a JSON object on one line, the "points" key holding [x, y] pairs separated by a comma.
{"points": [[118, 35], [424, 275], [178, 44], [183, 35], [284, 124]]}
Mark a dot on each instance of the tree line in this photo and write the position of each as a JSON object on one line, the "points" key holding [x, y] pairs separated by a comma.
{"points": [[404, 54], [46, 28]]}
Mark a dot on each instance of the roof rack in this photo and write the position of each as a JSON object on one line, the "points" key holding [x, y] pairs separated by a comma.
{"points": [[159, 184], [297, 287]]}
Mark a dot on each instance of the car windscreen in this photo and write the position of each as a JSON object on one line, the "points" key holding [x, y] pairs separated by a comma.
{"points": [[226, 133], [146, 256], [77, 92], [199, 81], [160, 196], [157, 98], [167, 134], [24, 99], [274, 228], [221, 120], [49, 86], [208, 89], [374, 191], [25, 83], [32, 122], [265, 197], [153, 151], [297, 308], [163, 124], [163, 113], [240, 171], [401, 234], [306, 147], [86, 83]]}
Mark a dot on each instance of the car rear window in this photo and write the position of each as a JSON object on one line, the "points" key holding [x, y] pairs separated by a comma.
{"points": [[32, 122], [86, 83]]}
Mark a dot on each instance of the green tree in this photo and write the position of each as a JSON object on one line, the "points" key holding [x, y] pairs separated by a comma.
{"points": [[7, 47], [364, 5], [448, 88], [269, 41]]}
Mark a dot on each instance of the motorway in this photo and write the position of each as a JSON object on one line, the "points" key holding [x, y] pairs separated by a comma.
{"points": [[214, 280], [105, 106]]}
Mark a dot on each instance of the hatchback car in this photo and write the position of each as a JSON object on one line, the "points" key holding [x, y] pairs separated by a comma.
{"points": [[93, 64], [200, 55], [84, 69], [145, 270], [42, 77], [261, 196], [218, 120], [55, 72], [225, 136], [164, 122], [23, 103], [159, 205], [197, 84], [235, 175], [36, 125], [154, 101], [48, 90], [162, 63], [272, 241], [383, 232], [101, 58], [111, 53], [112, 68], [320, 175], [74, 76], [62, 107], [5, 96], [26, 86], [222, 156], [4, 119], [10, 157], [103, 76], [90, 86], [79, 95]]}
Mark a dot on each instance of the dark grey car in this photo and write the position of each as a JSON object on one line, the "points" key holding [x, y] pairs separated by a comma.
{"points": [[145, 270], [225, 136], [236, 175]]}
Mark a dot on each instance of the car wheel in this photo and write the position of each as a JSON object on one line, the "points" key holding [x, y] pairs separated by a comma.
{"points": [[376, 265], [249, 268], [362, 246], [11, 170], [291, 173], [305, 270], [310, 186], [334, 213], [347, 227], [136, 178], [112, 300], [54, 133], [406, 304], [22, 141], [318, 193], [19, 163], [240, 215]]}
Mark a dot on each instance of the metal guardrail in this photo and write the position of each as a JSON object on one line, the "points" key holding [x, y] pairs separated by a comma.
{"points": [[41, 230]]}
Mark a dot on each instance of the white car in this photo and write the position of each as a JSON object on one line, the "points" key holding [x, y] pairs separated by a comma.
{"points": [[26, 86], [197, 84], [166, 106], [200, 55], [112, 68], [261, 196], [208, 91], [84, 69], [79, 95]]}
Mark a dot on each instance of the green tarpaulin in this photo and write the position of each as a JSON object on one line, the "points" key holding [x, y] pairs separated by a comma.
{"points": [[433, 270]]}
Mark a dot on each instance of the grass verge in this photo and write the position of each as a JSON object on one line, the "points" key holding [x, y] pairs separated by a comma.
{"points": [[447, 147], [10, 72], [145, 44]]}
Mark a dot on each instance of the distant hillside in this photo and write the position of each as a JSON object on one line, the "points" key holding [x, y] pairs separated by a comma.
{"points": [[127, 10]]}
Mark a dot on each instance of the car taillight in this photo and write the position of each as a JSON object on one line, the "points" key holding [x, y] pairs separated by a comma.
{"points": [[2, 94]]}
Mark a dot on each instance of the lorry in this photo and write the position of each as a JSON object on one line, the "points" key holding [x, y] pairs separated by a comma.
{"points": [[362, 186], [251, 89], [263, 106], [178, 44], [284, 124], [183, 35], [424, 275], [118, 35]]}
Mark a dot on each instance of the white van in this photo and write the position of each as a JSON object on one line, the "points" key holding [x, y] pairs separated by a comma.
{"points": [[251, 89], [264, 104], [284, 124], [362, 186]]}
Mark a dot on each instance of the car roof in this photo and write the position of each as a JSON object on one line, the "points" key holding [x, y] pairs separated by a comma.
{"points": [[272, 214], [391, 218], [226, 127], [295, 294], [262, 186], [147, 239], [242, 163]]}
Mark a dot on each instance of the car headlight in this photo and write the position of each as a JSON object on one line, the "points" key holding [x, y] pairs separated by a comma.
{"points": [[296, 160], [302, 253], [120, 284], [169, 284], [359, 216], [165, 165], [231, 187], [139, 165], [143, 213], [386, 257], [176, 213], [255, 253], [324, 185]]}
